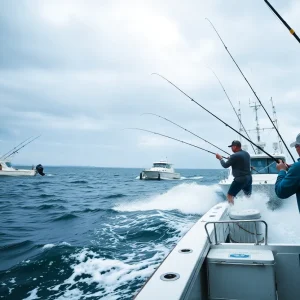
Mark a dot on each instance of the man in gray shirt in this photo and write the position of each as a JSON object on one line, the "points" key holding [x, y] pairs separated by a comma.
{"points": [[240, 164]]}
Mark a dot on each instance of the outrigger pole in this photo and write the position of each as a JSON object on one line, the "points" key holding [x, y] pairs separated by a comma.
{"points": [[173, 139], [260, 148], [187, 131], [7, 156], [252, 91], [291, 30], [232, 107], [15, 147]]}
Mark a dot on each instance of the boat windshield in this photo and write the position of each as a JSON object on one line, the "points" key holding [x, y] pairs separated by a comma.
{"points": [[161, 165], [8, 164], [264, 166]]}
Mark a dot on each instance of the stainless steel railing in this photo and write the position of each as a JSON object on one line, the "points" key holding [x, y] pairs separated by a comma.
{"points": [[246, 234]]}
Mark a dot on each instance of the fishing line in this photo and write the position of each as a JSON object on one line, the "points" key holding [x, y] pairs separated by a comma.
{"points": [[187, 131], [169, 137], [251, 89], [260, 148], [232, 106]]}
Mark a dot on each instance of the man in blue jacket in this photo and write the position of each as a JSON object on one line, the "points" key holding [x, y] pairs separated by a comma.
{"points": [[288, 182]]}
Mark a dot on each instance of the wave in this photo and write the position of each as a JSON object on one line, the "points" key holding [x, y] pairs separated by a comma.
{"points": [[191, 178], [79, 182], [187, 198], [15, 246], [65, 217], [112, 196], [50, 206], [46, 195]]}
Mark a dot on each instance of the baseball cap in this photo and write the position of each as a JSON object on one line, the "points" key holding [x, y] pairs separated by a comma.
{"points": [[297, 142], [236, 143]]}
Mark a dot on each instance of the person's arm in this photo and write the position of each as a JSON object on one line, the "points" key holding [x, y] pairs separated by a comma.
{"points": [[288, 183], [228, 163]]}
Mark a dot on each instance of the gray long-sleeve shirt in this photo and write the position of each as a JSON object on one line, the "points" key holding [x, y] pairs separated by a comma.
{"points": [[240, 163]]}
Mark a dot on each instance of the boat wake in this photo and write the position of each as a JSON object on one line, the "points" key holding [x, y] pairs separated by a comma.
{"points": [[187, 198], [283, 222]]}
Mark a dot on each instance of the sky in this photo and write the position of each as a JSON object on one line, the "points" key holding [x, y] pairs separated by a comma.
{"points": [[78, 73]]}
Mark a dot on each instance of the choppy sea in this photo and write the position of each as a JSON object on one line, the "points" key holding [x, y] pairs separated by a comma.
{"points": [[99, 233]]}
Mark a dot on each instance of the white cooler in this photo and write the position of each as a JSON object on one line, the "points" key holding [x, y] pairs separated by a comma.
{"points": [[244, 232], [241, 274]]}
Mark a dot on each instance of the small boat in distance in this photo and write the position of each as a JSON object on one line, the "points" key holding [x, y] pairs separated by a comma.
{"points": [[160, 170], [6, 169]]}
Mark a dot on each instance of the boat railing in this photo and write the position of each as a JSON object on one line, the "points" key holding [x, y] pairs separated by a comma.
{"points": [[238, 231]]}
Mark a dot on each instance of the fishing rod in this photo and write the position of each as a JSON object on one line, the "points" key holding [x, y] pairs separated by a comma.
{"points": [[291, 30], [7, 156], [260, 148], [15, 147], [251, 89], [173, 139], [232, 106], [187, 131]]}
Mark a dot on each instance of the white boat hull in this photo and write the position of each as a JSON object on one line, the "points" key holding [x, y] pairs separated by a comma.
{"points": [[18, 173], [156, 175], [260, 184]]}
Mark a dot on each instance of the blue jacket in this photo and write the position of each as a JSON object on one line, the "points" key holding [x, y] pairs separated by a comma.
{"points": [[288, 183]]}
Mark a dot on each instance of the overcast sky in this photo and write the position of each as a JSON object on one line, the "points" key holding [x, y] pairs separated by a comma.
{"points": [[79, 72]]}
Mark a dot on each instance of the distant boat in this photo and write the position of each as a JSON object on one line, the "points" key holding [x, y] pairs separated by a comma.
{"points": [[6, 169], [160, 170]]}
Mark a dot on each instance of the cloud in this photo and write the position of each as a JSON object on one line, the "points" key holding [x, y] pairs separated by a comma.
{"points": [[79, 72]]}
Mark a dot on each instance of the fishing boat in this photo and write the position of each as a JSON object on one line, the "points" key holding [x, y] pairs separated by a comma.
{"points": [[263, 168], [6, 168], [160, 170], [226, 255]]}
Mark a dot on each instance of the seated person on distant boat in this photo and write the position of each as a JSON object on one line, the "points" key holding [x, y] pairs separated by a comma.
{"points": [[240, 164], [288, 180]]}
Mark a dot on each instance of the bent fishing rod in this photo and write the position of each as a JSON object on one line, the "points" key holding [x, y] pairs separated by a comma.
{"points": [[251, 89], [15, 147], [187, 131], [232, 106], [169, 137], [291, 30], [260, 148], [7, 156]]}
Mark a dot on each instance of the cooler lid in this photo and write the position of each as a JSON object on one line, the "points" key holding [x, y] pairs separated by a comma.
{"points": [[240, 256], [244, 214]]}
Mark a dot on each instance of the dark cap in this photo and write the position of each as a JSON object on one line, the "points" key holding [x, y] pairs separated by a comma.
{"points": [[235, 143]]}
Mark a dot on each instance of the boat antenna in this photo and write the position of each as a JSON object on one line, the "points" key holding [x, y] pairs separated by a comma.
{"points": [[7, 156], [291, 30], [187, 131], [15, 147], [275, 159], [232, 106], [276, 123], [250, 87], [169, 137]]}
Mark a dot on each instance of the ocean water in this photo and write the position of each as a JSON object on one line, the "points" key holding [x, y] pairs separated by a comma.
{"points": [[99, 233], [93, 233]]}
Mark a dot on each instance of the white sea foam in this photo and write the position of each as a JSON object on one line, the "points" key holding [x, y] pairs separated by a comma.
{"points": [[109, 274], [48, 246], [191, 178], [187, 198], [33, 295]]}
